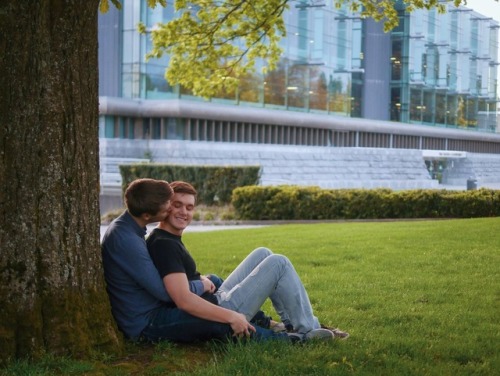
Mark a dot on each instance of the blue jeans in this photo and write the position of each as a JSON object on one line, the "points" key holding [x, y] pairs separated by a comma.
{"points": [[261, 275], [265, 275], [175, 325], [260, 318]]}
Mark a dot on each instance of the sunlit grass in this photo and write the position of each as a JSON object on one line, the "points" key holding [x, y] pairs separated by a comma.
{"points": [[418, 298]]}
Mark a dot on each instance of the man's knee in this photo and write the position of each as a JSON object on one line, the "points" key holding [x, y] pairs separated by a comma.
{"points": [[263, 252], [279, 260]]}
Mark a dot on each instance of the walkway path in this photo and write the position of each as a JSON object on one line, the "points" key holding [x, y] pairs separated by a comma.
{"points": [[199, 228]]}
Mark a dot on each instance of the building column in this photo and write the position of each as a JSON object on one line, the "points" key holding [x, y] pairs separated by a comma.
{"points": [[377, 75]]}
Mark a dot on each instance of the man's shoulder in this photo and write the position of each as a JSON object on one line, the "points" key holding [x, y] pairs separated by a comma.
{"points": [[125, 222], [160, 240], [123, 229], [161, 235]]}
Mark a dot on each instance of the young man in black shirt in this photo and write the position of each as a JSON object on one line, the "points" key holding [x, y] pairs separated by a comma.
{"points": [[227, 311]]}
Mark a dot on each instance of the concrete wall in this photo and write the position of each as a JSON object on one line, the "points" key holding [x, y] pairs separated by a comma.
{"points": [[326, 167], [280, 164]]}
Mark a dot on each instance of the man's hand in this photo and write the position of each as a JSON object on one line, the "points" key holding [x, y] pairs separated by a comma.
{"points": [[177, 286], [208, 285], [241, 327]]}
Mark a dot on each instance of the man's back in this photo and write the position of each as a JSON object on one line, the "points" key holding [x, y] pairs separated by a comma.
{"points": [[134, 287]]}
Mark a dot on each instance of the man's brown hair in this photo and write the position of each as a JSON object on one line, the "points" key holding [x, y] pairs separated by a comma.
{"points": [[146, 196], [183, 187]]}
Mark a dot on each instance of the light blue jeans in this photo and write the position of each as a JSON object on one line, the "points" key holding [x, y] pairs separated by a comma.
{"points": [[261, 275]]}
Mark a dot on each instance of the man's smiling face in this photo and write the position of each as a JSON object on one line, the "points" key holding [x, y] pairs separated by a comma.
{"points": [[180, 213]]}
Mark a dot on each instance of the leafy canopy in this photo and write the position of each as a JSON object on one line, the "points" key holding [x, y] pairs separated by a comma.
{"points": [[213, 43]]}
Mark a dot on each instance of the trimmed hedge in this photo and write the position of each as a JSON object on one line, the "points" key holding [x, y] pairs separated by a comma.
{"points": [[213, 183], [298, 203]]}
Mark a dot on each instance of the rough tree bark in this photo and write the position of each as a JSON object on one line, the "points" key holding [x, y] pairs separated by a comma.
{"points": [[52, 291]]}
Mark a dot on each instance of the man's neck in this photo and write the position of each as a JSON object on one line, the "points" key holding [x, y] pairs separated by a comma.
{"points": [[140, 221], [166, 227]]}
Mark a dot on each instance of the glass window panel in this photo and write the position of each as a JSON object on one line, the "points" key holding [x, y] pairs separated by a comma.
{"points": [[440, 109], [428, 108], [250, 88], [156, 126], [122, 127], [396, 59], [396, 104], [131, 128], [451, 113], [275, 85], [318, 89], [297, 90], [416, 105], [109, 126], [146, 128]]}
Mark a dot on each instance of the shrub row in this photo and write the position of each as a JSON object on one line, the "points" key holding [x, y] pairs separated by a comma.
{"points": [[213, 183], [297, 203]]}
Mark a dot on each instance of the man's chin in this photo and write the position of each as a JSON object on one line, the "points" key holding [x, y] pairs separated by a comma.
{"points": [[181, 225]]}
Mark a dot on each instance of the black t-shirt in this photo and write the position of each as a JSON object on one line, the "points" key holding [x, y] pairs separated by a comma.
{"points": [[170, 255]]}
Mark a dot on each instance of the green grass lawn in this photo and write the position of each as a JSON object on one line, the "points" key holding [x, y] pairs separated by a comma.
{"points": [[417, 297]]}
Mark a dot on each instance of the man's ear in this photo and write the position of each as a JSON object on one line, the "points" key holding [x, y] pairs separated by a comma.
{"points": [[146, 216]]}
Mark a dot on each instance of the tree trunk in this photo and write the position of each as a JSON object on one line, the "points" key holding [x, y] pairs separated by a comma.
{"points": [[52, 291]]}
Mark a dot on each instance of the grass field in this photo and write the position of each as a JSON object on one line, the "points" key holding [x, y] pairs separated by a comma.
{"points": [[417, 297]]}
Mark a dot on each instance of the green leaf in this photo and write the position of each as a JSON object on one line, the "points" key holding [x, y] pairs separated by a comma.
{"points": [[104, 6]]}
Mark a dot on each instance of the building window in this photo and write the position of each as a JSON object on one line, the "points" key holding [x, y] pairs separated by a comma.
{"points": [[146, 128], [156, 128], [109, 126]]}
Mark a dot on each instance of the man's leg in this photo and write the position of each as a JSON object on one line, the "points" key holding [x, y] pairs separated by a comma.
{"points": [[246, 267], [260, 318], [242, 271], [173, 324], [262, 275]]}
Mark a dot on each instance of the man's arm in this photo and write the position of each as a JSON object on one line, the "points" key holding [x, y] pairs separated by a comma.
{"points": [[137, 263], [197, 287], [177, 287], [130, 254]]}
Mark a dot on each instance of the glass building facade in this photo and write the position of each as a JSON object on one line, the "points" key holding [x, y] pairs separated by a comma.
{"points": [[444, 68], [320, 71], [433, 69]]}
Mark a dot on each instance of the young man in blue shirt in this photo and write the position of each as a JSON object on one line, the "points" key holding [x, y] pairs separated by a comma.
{"points": [[132, 282], [136, 291]]}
